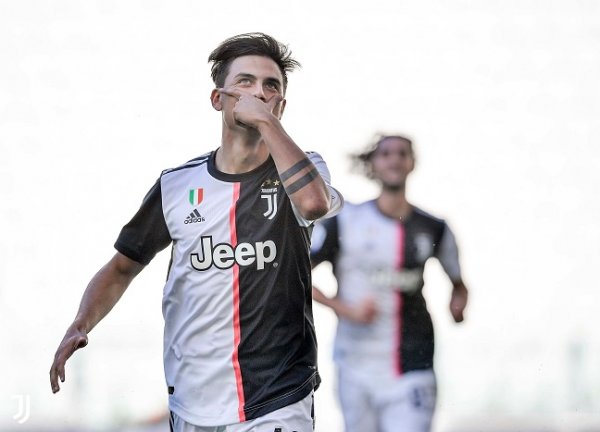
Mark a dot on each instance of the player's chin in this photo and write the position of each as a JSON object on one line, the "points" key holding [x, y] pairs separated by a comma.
{"points": [[392, 185]]}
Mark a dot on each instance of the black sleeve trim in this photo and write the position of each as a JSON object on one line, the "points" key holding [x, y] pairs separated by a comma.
{"points": [[146, 233]]}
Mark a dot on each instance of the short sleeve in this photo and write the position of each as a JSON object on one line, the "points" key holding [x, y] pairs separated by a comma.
{"points": [[447, 254], [146, 233], [336, 198]]}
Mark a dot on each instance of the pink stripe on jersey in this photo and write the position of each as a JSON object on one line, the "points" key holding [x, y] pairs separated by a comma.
{"points": [[399, 263], [236, 307]]}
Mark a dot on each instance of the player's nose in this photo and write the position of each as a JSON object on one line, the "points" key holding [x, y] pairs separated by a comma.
{"points": [[259, 92]]}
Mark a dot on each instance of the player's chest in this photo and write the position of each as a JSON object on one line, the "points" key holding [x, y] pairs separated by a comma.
{"points": [[381, 242], [221, 209]]}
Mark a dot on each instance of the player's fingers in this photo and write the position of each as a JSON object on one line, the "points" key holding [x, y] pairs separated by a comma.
{"points": [[54, 379], [274, 101], [59, 366], [229, 92], [57, 371], [457, 314]]}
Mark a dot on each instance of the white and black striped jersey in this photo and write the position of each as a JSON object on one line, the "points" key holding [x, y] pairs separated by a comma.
{"points": [[383, 258], [239, 338]]}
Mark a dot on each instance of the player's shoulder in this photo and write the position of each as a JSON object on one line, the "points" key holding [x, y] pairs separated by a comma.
{"points": [[315, 157], [419, 213], [312, 153], [354, 209], [193, 163]]}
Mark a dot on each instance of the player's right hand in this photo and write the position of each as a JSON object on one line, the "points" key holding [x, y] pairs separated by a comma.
{"points": [[365, 312], [249, 109], [73, 340]]}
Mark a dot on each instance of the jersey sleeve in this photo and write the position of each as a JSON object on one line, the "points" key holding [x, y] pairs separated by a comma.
{"points": [[146, 233], [447, 254], [324, 244], [337, 200]]}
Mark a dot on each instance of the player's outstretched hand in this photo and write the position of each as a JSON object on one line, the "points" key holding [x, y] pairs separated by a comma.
{"points": [[73, 340], [365, 312]]}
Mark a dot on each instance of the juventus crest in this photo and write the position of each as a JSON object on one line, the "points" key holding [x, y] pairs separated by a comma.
{"points": [[268, 192]]}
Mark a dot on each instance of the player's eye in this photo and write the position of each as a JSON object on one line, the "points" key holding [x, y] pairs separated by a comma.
{"points": [[272, 86]]}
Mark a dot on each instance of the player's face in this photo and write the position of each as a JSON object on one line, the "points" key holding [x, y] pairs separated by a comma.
{"points": [[254, 75], [392, 162]]}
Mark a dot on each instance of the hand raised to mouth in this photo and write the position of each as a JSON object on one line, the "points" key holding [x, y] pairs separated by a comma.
{"points": [[250, 110]]}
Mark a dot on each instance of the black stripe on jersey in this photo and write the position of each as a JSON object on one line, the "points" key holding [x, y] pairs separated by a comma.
{"points": [[277, 350], [420, 222], [417, 348]]}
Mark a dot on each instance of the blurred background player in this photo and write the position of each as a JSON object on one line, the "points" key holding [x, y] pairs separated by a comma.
{"points": [[384, 343]]}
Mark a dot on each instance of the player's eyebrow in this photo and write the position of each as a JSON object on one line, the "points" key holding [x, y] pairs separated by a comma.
{"points": [[271, 80], [245, 75]]}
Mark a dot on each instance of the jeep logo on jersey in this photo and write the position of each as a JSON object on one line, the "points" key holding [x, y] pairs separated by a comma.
{"points": [[224, 255]]}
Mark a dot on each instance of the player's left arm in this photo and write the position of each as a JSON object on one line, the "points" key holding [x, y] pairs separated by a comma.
{"points": [[458, 301], [447, 254], [305, 183]]}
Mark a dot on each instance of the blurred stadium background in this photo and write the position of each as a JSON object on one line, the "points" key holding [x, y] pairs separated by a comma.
{"points": [[502, 98]]}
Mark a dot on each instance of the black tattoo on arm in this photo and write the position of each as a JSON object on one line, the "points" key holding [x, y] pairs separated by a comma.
{"points": [[287, 174], [302, 181]]}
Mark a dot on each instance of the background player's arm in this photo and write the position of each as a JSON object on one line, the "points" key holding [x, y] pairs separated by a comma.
{"points": [[458, 300], [448, 256], [364, 312], [102, 293]]}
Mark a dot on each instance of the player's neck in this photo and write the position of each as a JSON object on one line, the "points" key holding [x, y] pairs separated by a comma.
{"points": [[240, 153], [394, 204]]}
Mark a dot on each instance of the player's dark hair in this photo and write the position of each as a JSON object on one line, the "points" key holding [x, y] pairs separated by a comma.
{"points": [[362, 161], [250, 44]]}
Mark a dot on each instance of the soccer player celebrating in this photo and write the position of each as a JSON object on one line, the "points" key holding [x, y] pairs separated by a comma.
{"points": [[384, 340], [239, 341]]}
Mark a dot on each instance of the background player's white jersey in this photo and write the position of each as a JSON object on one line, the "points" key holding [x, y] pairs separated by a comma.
{"points": [[239, 338], [384, 258]]}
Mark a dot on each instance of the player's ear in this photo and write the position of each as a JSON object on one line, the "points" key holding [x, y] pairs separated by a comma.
{"points": [[412, 164], [215, 100]]}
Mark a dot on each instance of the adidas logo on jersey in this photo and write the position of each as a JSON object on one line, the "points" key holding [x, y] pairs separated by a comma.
{"points": [[194, 217]]}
